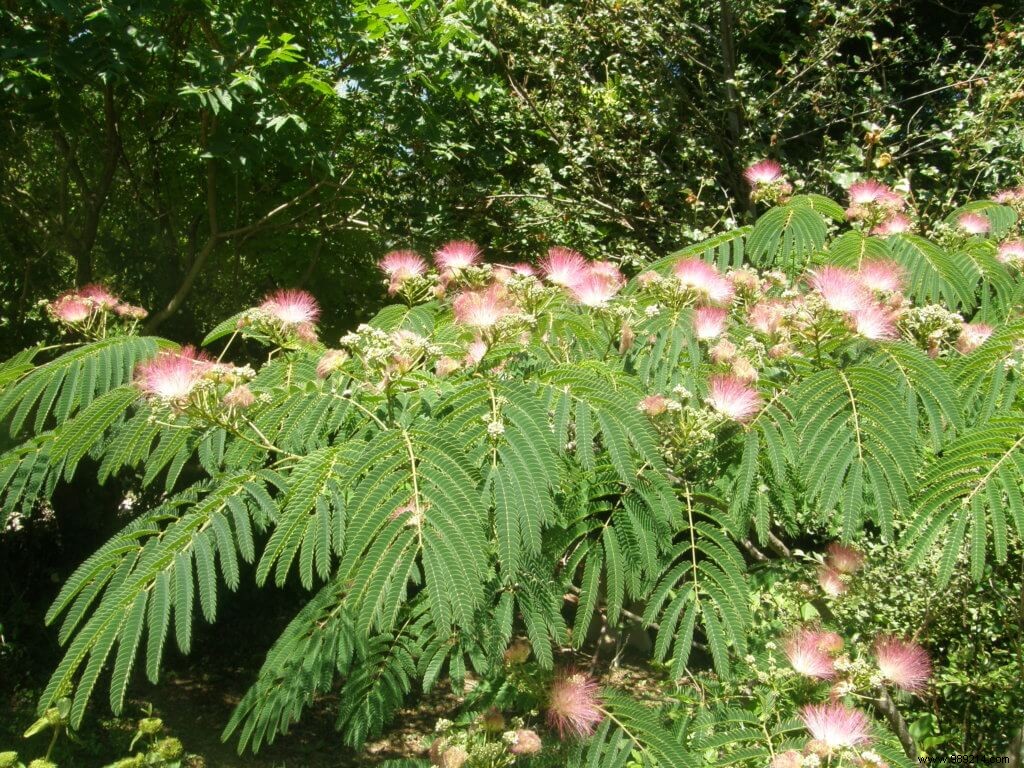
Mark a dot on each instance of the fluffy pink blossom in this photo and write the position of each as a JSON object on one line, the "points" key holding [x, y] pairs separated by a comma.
{"points": [[457, 254], [806, 656], [841, 289], [564, 267], [523, 270], [653, 405], [835, 725], [595, 289], [239, 397], [766, 316], [733, 398], [525, 742], [476, 351], [172, 375], [709, 322], [831, 581], [1009, 196], [291, 306], [400, 266], [972, 336], [481, 309], [881, 275], [1011, 251], [903, 663], [843, 558], [867, 192], [894, 225], [974, 223], [70, 309], [99, 294], [573, 705], [763, 172], [705, 279], [874, 322]]}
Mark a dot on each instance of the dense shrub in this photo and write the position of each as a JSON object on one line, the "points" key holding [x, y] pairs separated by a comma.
{"points": [[516, 462]]}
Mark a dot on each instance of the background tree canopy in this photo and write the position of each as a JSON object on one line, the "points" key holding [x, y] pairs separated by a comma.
{"points": [[241, 145]]}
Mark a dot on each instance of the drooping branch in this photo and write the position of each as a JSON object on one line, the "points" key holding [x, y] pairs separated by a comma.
{"points": [[214, 238]]}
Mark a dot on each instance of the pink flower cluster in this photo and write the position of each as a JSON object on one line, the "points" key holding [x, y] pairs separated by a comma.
{"points": [[172, 376], [574, 707], [874, 201], [856, 295], [591, 283], [974, 223], [903, 663], [767, 181], [834, 726], [90, 301], [841, 561], [1014, 196], [810, 652]]}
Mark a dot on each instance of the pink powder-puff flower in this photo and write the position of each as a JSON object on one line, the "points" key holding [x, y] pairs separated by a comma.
{"points": [[481, 309], [881, 275], [974, 223], [524, 742], [573, 705], [70, 309], [892, 201], [653, 405], [831, 581], [763, 172], [239, 397], [733, 398], [172, 375], [841, 289], [835, 725], [1009, 196], [595, 289], [400, 266], [291, 306], [766, 316], [704, 278], [1011, 252], [874, 322], [843, 558], [99, 295], [896, 224], [972, 336], [709, 322], [523, 270], [803, 649], [564, 267], [457, 254], [867, 192], [476, 351], [903, 663]]}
